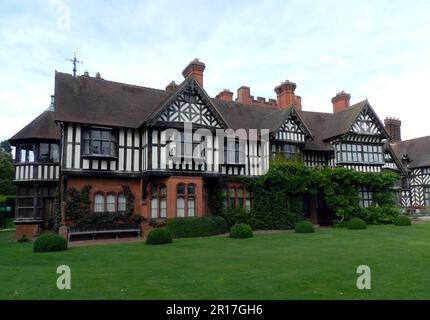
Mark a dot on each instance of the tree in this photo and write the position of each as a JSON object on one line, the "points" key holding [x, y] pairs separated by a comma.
{"points": [[5, 146], [7, 186]]}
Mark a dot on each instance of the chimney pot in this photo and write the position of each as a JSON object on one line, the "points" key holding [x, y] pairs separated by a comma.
{"points": [[195, 68], [285, 94], [98, 76], [171, 86], [340, 101]]}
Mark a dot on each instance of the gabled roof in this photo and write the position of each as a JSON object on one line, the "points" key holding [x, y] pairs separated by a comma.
{"points": [[96, 101], [394, 156], [339, 123], [417, 150], [188, 82], [43, 127], [316, 122]]}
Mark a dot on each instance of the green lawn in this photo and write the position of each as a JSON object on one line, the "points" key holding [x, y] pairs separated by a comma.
{"points": [[269, 266]]}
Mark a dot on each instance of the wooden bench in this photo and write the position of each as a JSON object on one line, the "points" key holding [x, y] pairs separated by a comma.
{"points": [[94, 230]]}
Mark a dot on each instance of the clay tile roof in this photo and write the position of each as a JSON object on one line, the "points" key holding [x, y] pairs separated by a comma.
{"points": [[43, 127], [415, 149], [97, 101]]}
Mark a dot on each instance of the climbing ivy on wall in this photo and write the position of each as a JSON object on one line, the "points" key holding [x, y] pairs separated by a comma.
{"points": [[78, 208], [279, 194], [57, 210]]}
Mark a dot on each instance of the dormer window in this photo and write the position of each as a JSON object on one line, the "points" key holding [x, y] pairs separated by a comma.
{"points": [[100, 142]]}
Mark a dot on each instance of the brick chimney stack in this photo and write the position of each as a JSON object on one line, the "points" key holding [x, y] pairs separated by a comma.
{"points": [[195, 68], [392, 126], [298, 103], [244, 95], [225, 95], [171, 86], [285, 94], [340, 101]]}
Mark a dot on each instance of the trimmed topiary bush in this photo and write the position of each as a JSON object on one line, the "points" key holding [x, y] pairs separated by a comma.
{"points": [[159, 236], [49, 242], [356, 224], [196, 226], [241, 230], [402, 221], [220, 224], [304, 227]]}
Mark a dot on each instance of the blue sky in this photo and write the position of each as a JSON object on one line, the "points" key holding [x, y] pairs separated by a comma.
{"points": [[378, 50]]}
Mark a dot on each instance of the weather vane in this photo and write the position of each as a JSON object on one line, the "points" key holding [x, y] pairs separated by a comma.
{"points": [[75, 62]]}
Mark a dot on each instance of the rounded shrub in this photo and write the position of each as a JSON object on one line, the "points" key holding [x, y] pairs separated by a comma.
{"points": [[241, 230], [304, 227], [49, 242], [159, 236], [356, 224], [402, 221], [220, 224]]}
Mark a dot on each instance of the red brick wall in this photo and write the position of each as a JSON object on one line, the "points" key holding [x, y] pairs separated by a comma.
{"points": [[109, 185], [142, 207], [29, 230]]}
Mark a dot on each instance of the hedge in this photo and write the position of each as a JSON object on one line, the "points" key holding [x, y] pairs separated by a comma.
{"points": [[159, 236], [49, 242], [239, 215], [356, 224], [241, 230], [196, 226], [402, 221], [304, 227]]}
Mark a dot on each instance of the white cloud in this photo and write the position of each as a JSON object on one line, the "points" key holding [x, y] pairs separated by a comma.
{"points": [[371, 49]]}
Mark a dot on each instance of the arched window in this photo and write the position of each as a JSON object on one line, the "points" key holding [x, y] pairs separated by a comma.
{"points": [[240, 198], [232, 198], [99, 203], [247, 200], [185, 200], [121, 202], [110, 203], [158, 201], [236, 197], [180, 200], [191, 190]]}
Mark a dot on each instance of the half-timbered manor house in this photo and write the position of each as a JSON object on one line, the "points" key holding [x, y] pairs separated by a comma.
{"points": [[108, 134]]}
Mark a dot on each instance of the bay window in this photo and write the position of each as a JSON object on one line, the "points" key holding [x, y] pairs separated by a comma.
{"points": [[286, 150], [347, 152], [38, 152], [100, 142], [185, 200], [158, 201]]}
